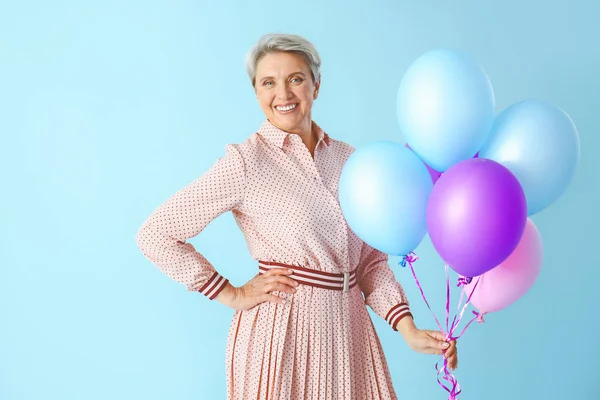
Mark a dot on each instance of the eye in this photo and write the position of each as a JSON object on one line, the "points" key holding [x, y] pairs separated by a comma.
{"points": [[267, 83], [297, 79]]}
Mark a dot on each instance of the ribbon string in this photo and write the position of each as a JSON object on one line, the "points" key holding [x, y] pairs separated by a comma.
{"points": [[443, 370]]}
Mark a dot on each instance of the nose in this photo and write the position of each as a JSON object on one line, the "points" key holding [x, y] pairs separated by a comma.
{"points": [[283, 91]]}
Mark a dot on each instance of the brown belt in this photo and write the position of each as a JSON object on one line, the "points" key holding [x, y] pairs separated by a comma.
{"points": [[306, 276]]}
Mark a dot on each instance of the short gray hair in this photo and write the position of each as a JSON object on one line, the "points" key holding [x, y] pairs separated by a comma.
{"points": [[282, 42]]}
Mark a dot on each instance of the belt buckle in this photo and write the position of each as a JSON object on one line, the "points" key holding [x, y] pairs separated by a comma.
{"points": [[346, 281]]}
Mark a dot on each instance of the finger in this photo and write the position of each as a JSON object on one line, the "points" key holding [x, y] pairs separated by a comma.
{"points": [[455, 355], [280, 287], [442, 343], [274, 280], [451, 352], [452, 355], [439, 347], [436, 335], [287, 281], [278, 271], [273, 298], [453, 362], [435, 347], [451, 349], [437, 344]]}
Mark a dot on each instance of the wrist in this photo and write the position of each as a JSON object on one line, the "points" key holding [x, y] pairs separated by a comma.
{"points": [[406, 326], [227, 295]]}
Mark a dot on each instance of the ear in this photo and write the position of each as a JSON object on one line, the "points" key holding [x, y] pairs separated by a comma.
{"points": [[316, 92]]}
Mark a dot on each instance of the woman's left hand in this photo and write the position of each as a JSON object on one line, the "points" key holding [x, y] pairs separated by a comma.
{"points": [[432, 342]]}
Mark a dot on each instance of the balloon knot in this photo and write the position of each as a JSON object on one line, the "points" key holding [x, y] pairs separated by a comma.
{"points": [[464, 280], [408, 258], [479, 319]]}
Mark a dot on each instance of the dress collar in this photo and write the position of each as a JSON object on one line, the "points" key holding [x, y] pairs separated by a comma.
{"points": [[277, 136]]}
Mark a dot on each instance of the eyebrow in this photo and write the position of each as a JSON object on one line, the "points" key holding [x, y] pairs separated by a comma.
{"points": [[293, 73]]}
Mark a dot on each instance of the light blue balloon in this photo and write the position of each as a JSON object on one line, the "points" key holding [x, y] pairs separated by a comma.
{"points": [[383, 192], [538, 142], [445, 107]]}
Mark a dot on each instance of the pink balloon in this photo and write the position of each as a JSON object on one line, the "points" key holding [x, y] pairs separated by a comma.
{"points": [[503, 285]]}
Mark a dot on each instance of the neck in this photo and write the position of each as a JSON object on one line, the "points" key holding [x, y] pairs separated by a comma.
{"points": [[306, 132], [308, 136]]}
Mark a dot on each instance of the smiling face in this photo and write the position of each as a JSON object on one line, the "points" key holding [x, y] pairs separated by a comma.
{"points": [[285, 91]]}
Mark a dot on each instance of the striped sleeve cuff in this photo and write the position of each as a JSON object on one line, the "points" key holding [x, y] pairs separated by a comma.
{"points": [[396, 313], [215, 284]]}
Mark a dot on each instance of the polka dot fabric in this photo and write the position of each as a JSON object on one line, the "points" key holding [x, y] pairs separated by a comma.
{"points": [[322, 343]]}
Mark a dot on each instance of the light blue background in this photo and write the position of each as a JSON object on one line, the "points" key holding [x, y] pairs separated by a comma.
{"points": [[107, 108]]}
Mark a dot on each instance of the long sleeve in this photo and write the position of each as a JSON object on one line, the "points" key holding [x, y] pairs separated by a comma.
{"points": [[382, 292], [162, 237]]}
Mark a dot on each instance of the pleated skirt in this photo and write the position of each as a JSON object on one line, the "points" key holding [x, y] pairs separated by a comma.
{"points": [[321, 344]]}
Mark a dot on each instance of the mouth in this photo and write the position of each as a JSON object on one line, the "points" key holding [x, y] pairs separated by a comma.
{"points": [[286, 108]]}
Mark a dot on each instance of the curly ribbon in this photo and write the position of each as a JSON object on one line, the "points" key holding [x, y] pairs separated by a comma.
{"points": [[464, 280], [409, 259], [443, 371]]}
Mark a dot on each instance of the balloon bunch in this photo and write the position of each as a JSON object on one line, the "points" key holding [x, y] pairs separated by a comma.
{"points": [[465, 176]]}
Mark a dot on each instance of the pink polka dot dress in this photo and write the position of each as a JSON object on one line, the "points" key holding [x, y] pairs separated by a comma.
{"points": [[320, 344]]}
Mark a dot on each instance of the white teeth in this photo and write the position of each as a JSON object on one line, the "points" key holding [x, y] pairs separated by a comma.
{"points": [[287, 108]]}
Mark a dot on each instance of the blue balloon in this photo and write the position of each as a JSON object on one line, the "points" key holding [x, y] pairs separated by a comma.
{"points": [[383, 193], [445, 107], [538, 142]]}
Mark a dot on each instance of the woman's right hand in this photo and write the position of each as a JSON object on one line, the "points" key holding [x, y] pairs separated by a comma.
{"points": [[259, 288]]}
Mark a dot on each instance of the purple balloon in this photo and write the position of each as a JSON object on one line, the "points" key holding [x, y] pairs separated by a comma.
{"points": [[432, 172], [476, 215]]}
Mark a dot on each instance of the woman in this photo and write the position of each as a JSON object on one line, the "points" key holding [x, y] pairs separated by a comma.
{"points": [[301, 328]]}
